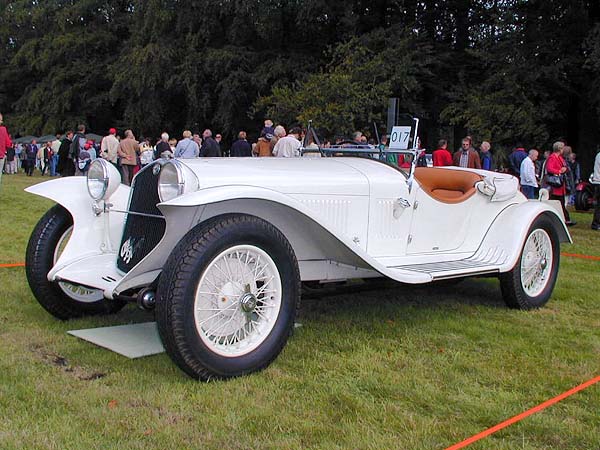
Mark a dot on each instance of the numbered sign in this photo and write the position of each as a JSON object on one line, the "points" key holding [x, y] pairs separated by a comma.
{"points": [[399, 138]]}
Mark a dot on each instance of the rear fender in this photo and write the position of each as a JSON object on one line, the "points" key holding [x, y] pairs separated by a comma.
{"points": [[509, 230]]}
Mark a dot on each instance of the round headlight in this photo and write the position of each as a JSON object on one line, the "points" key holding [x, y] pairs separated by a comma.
{"points": [[176, 179], [102, 179], [170, 182], [97, 179]]}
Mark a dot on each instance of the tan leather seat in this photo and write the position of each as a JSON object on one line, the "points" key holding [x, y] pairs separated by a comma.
{"points": [[447, 186]]}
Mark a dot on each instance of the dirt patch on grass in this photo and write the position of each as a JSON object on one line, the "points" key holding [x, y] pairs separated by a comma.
{"points": [[54, 359]]}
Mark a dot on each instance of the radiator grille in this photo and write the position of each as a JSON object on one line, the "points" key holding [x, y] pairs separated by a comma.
{"points": [[141, 233]]}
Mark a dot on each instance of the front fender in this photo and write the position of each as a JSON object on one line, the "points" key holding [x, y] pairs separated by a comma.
{"points": [[509, 229], [89, 235]]}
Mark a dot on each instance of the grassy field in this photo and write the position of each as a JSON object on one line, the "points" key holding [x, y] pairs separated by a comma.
{"points": [[397, 367]]}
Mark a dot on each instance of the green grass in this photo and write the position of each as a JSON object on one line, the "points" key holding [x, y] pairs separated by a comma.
{"points": [[400, 367]]}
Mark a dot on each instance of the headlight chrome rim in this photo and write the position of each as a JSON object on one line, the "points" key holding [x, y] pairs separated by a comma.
{"points": [[104, 179], [179, 186]]}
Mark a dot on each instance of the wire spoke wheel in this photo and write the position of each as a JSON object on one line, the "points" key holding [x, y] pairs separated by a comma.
{"points": [[529, 284], [63, 300], [536, 262], [237, 300], [227, 297]]}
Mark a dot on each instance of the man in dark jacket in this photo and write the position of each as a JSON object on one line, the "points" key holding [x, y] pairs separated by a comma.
{"points": [[241, 147], [515, 159], [210, 148], [66, 166], [78, 144]]}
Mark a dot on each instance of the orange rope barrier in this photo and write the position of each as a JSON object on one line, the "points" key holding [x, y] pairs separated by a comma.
{"points": [[12, 265], [521, 416], [575, 255]]}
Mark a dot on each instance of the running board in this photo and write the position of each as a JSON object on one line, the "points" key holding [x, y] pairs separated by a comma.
{"points": [[484, 261]]}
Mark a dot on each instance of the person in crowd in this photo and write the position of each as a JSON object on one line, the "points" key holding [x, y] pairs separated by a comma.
{"points": [[23, 157], [441, 156], [487, 161], [575, 170], [18, 152], [84, 159], [173, 145], [78, 144], [66, 166], [241, 147], [569, 176], [146, 153], [186, 148], [515, 159], [268, 127], [198, 140], [278, 133], [527, 172], [466, 156], [5, 143], [210, 148], [391, 158], [54, 162], [540, 166], [31, 151], [596, 181], [47, 156], [39, 159], [557, 166], [162, 148], [311, 149], [10, 165], [288, 146], [218, 139], [128, 152], [263, 145], [109, 147]]}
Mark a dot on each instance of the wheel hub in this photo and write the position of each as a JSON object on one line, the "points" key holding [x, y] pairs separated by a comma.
{"points": [[248, 302]]}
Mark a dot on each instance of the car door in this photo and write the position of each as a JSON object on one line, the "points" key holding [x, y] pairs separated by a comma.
{"points": [[438, 227], [390, 218]]}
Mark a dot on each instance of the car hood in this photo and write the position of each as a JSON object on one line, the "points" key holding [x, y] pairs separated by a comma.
{"points": [[286, 175]]}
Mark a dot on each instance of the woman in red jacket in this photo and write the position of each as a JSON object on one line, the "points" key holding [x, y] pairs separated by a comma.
{"points": [[556, 165], [4, 144]]}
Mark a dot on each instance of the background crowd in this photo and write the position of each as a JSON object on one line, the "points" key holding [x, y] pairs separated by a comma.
{"points": [[556, 170]]}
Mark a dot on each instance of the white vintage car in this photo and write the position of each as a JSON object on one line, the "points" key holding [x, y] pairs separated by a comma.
{"points": [[219, 247]]}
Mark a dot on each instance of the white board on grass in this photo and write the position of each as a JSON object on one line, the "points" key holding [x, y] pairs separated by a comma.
{"points": [[133, 341]]}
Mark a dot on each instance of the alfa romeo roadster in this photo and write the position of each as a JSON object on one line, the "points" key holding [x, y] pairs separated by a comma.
{"points": [[219, 247]]}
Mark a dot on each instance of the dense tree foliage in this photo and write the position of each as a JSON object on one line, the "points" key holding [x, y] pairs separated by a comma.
{"points": [[504, 70]]}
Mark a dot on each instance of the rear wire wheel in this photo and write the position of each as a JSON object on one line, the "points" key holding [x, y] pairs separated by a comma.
{"points": [[531, 282]]}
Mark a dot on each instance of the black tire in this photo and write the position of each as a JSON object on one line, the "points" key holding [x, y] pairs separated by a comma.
{"points": [[582, 201], [39, 260], [510, 282], [182, 273]]}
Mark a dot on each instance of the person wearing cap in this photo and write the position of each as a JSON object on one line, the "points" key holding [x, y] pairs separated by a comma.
{"points": [[109, 146], [263, 145]]}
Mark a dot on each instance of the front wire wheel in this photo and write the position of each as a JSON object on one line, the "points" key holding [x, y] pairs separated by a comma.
{"points": [[62, 300], [227, 297], [238, 300], [531, 282]]}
